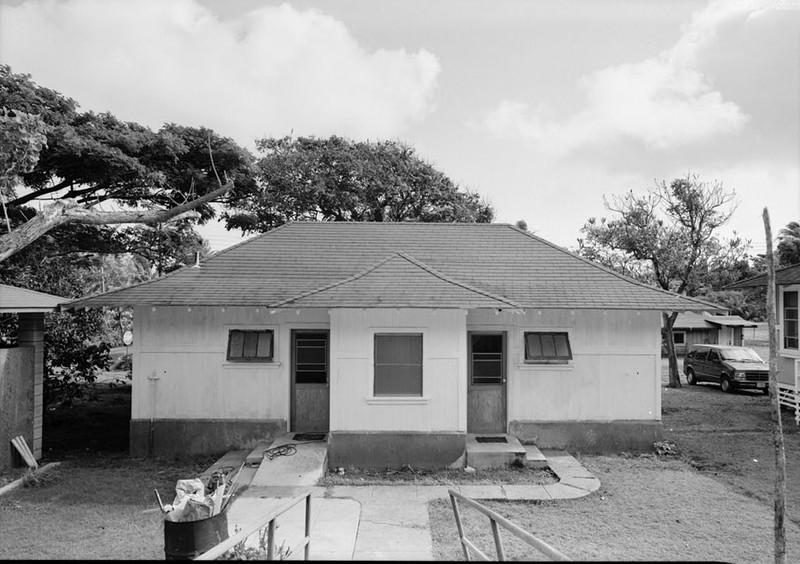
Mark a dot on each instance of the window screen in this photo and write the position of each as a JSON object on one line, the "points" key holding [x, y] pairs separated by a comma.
{"points": [[547, 347], [398, 364], [486, 355], [250, 345], [311, 358], [790, 334]]}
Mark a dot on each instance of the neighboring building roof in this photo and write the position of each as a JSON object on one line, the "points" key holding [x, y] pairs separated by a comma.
{"points": [[20, 300], [689, 321], [783, 276], [327, 264]]}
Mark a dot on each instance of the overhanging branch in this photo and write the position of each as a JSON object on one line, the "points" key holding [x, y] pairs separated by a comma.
{"points": [[67, 211]]}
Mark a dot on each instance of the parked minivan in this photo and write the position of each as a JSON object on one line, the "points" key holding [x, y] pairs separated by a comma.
{"points": [[730, 367]]}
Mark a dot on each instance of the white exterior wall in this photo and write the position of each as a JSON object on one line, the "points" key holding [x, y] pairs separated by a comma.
{"points": [[180, 370], [615, 373], [442, 406]]}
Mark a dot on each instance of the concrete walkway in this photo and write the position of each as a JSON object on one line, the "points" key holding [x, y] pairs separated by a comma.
{"points": [[375, 522]]}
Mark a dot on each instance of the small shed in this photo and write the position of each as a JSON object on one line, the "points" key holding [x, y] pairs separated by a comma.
{"points": [[22, 371], [705, 328]]}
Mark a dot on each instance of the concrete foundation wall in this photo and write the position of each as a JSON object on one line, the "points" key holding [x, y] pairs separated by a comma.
{"points": [[16, 401], [590, 437], [182, 437], [393, 450]]}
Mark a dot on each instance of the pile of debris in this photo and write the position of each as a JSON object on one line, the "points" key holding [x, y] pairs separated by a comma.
{"points": [[194, 501]]}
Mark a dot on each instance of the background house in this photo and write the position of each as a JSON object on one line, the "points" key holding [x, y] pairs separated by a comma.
{"points": [[787, 290], [706, 328], [398, 339], [22, 371]]}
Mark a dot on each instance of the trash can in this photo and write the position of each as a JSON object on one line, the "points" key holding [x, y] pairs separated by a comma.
{"points": [[185, 540]]}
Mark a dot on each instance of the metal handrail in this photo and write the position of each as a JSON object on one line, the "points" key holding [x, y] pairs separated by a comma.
{"points": [[497, 519], [267, 520]]}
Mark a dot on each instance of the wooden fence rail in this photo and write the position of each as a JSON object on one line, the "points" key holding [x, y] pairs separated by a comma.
{"points": [[495, 519], [267, 520]]}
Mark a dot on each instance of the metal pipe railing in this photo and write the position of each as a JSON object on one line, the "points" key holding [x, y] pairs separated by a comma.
{"points": [[496, 519], [267, 520]]}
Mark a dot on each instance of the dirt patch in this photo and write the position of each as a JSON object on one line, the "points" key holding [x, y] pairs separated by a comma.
{"points": [[409, 476]]}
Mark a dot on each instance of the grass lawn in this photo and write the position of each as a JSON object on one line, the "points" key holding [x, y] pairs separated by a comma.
{"points": [[406, 476], [711, 502], [646, 509], [100, 504]]}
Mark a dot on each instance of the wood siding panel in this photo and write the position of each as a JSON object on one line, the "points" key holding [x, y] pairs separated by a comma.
{"points": [[614, 374], [185, 349], [353, 404]]}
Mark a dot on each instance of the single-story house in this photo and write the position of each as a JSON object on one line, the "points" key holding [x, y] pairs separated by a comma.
{"points": [[707, 328], [22, 371], [787, 290], [398, 340]]}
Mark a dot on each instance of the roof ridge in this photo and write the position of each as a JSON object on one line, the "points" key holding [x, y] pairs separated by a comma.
{"points": [[407, 257], [610, 271], [441, 276]]}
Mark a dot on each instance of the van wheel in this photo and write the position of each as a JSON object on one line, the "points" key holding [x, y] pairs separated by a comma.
{"points": [[725, 384], [690, 377]]}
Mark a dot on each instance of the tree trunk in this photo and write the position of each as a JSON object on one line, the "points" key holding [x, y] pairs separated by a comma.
{"points": [[777, 426], [669, 342]]}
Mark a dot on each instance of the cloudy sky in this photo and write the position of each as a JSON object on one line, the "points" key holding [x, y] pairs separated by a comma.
{"points": [[543, 107]]}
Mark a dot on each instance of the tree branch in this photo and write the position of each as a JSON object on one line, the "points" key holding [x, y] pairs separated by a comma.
{"points": [[63, 212]]}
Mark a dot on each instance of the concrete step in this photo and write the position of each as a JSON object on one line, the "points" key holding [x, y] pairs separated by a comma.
{"points": [[302, 465], [534, 457], [485, 455]]}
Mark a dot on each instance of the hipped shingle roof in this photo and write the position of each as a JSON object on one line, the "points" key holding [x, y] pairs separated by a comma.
{"points": [[332, 264]]}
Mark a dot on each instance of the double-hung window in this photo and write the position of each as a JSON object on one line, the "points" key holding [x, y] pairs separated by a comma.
{"points": [[250, 345], [790, 334], [398, 364], [546, 347]]}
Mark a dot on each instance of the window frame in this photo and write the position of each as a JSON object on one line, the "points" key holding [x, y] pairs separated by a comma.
{"points": [[557, 359], [471, 357], [251, 359], [375, 338], [683, 337], [785, 319]]}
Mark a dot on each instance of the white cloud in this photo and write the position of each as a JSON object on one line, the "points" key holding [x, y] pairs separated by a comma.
{"points": [[267, 72], [663, 102]]}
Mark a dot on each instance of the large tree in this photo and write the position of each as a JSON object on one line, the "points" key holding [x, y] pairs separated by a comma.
{"points": [[337, 179], [789, 244], [88, 159], [667, 237]]}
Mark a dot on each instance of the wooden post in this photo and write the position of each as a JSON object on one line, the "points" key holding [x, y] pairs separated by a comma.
{"points": [[31, 334], [777, 427]]}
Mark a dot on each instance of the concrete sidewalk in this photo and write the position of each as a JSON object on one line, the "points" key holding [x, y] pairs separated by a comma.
{"points": [[382, 522]]}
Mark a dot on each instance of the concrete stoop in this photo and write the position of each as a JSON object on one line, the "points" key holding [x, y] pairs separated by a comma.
{"points": [[509, 452]]}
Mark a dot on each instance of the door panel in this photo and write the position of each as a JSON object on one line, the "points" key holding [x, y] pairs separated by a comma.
{"points": [[310, 386], [486, 387]]}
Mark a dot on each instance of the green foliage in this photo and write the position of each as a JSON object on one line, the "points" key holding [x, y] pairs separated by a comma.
{"points": [[788, 250], [22, 137], [243, 552], [74, 351], [337, 179]]}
